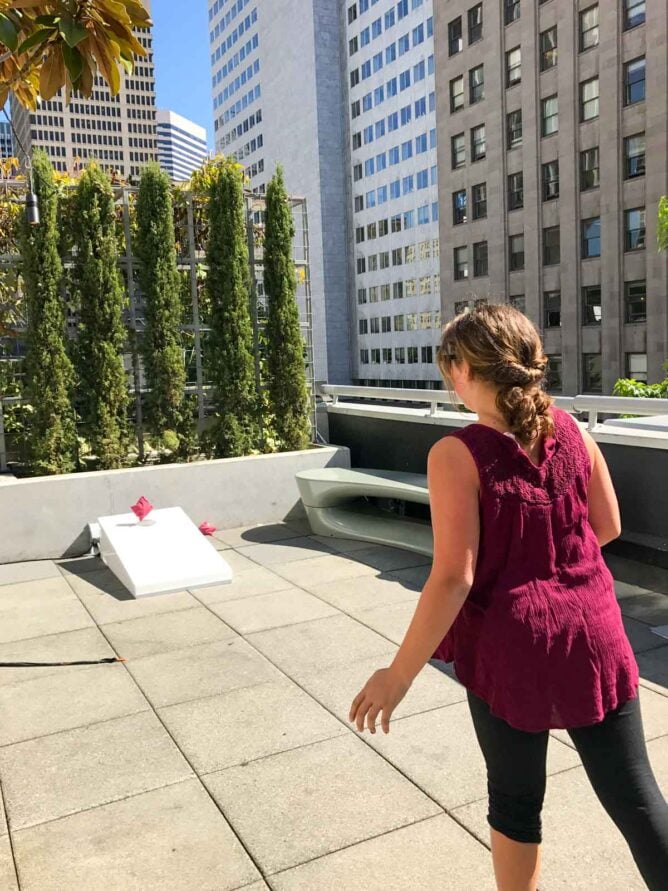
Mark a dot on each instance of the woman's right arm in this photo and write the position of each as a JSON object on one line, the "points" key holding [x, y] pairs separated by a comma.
{"points": [[603, 507]]}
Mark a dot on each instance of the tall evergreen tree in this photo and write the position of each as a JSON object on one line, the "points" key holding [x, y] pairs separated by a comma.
{"points": [[162, 348], [98, 288], [288, 393], [49, 376], [235, 430]]}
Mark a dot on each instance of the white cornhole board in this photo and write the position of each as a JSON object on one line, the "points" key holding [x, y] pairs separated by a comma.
{"points": [[165, 552]]}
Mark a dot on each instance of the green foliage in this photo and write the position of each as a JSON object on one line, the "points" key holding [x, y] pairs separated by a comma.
{"points": [[639, 389], [662, 224], [98, 291], [286, 378], [49, 375], [235, 430], [161, 346]]}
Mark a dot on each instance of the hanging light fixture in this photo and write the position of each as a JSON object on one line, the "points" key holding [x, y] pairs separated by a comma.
{"points": [[32, 204]]}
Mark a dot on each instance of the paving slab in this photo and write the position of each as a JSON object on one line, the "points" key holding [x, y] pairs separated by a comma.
{"points": [[199, 671], [33, 609], [238, 562], [55, 702], [80, 565], [8, 880], [439, 752], [582, 848], [96, 582], [641, 636], [342, 545], [323, 797], [171, 838], [434, 853], [318, 570], [272, 610], [654, 670], [119, 605], [245, 536], [247, 723], [414, 575], [654, 715], [251, 583], [303, 648], [286, 551], [366, 592], [85, 643], [388, 559], [391, 621], [159, 633], [47, 778], [11, 573], [336, 687], [639, 603]]}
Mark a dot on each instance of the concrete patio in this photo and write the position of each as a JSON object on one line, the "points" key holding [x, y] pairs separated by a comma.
{"points": [[219, 755]]}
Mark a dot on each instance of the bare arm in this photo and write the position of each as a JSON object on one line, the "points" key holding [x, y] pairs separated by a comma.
{"points": [[604, 515], [453, 496]]}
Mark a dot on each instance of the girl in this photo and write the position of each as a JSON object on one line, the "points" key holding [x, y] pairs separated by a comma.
{"points": [[519, 597]]}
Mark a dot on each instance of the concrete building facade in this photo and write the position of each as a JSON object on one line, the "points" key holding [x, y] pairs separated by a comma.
{"points": [[182, 145], [552, 134], [388, 54], [277, 98], [6, 144]]}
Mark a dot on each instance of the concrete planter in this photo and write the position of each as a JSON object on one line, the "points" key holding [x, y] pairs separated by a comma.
{"points": [[47, 517]]}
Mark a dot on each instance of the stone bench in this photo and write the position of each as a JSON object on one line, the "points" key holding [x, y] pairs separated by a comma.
{"points": [[339, 503]]}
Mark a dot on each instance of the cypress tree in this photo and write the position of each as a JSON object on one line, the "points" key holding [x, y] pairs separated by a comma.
{"points": [[100, 296], [49, 376], [161, 347], [286, 376], [235, 430]]}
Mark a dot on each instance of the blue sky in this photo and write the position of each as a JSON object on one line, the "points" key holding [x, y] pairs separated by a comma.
{"points": [[181, 54]]}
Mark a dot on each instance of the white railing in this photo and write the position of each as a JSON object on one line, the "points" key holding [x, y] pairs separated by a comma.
{"points": [[592, 406]]}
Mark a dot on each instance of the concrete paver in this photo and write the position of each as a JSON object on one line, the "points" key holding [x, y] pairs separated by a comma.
{"points": [[45, 606], [273, 610], [11, 573], [7, 872], [286, 551], [84, 643], [367, 592], [250, 583], [245, 536]]}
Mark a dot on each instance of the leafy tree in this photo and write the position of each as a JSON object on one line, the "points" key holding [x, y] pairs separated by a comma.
{"points": [[162, 349], [662, 224], [235, 430], [99, 295], [49, 375], [288, 394], [47, 45], [631, 387]]}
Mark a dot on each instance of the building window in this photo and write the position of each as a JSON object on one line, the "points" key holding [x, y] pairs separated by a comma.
{"points": [[479, 201], [352, 13], [476, 84], [518, 302], [361, 295], [478, 143], [475, 23], [636, 366], [552, 309], [591, 238], [634, 229], [479, 259], [513, 67], [516, 252], [551, 246], [364, 326], [515, 190], [589, 99], [456, 94], [589, 169], [427, 354], [412, 355], [549, 122], [400, 355], [458, 150], [514, 128], [399, 323], [354, 77], [634, 13], [455, 42], [375, 357], [387, 355], [548, 48], [550, 180], [634, 81], [635, 301], [591, 305], [553, 374], [364, 357], [459, 207], [592, 377], [634, 156], [511, 11], [461, 263], [588, 28]]}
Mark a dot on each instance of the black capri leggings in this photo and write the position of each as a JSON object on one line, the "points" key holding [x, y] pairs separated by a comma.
{"points": [[614, 756]]}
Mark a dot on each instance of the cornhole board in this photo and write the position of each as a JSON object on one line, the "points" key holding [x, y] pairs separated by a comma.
{"points": [[165, 552]]}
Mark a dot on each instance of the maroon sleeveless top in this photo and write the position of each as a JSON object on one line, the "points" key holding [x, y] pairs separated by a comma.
{"points": [[540, 637]]}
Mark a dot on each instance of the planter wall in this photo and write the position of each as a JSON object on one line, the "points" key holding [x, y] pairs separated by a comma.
{"points": [[47, 517]]}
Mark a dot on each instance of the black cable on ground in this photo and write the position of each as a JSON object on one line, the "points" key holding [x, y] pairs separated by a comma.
{"points": [[58, 664]]}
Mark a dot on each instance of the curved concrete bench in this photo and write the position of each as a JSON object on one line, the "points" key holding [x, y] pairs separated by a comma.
{"points": [[336, 503]]}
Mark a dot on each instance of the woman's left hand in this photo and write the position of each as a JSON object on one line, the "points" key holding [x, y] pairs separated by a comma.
{"points": [[382, 693]]}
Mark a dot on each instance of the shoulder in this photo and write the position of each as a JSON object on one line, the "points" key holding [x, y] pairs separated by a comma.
{"points": [[451, 458]]}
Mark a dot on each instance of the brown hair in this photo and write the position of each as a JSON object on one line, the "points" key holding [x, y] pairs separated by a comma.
{"points": [[503, 348]]}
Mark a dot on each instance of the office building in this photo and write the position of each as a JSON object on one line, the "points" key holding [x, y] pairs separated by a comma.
{"points": [[117, 131], [393, 190], [181, 145], [550, 176], [277, 98], [6, 147]]}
